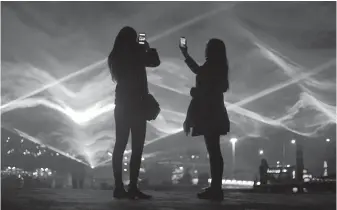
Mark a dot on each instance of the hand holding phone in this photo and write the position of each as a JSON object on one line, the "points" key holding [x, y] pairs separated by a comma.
{"points": [[183, 46], [183, 43], [141, 38]]}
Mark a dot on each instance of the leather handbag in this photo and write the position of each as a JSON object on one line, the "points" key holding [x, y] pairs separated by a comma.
{"points": [[152, 108]]}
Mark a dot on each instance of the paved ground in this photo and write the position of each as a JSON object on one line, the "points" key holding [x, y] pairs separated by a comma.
{"points": [[68, 199]]}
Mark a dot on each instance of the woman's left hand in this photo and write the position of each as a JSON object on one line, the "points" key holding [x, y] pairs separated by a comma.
{"points": [[184, 50]]}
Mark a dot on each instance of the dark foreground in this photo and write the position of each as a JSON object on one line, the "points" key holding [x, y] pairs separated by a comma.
{"points": [[69, 199]]}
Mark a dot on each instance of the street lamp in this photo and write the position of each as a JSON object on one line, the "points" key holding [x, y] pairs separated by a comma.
{"points": [[261, 152], [293, 141], [233, 142]]}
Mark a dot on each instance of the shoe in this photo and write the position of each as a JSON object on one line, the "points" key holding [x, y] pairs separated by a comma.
{"points": [[211, 194], [120, 193], [135, 193]]}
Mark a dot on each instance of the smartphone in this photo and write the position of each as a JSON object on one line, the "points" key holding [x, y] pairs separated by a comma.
{"points": [[182, 41], [141, 38]]}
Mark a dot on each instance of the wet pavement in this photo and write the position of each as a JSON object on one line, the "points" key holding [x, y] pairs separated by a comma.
{"points": [[70, 199]]}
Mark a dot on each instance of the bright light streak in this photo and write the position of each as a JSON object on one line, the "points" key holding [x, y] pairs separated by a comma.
{"points": [[78, 117], [285, 84], [265, 92], [23, 134], [103, 61], [82, 117]]}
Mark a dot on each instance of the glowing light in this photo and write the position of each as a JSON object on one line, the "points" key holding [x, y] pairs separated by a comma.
{"points": [[258, 183], [233, 140], [89, 113], [327, 140], [195, 181], [293, 141], [98, 63], [260, 152]]}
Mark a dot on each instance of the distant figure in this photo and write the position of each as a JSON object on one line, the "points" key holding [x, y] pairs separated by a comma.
{"points": [[187, 178], [207, 114], [127, 62], [263, 172], [78, 175]]}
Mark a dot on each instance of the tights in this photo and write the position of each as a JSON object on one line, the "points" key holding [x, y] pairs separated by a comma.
{"points": [[126, 122], [215, 158]]}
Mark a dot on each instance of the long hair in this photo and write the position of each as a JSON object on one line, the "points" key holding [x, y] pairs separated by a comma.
{"points": [[124, 46], [216, 54]]}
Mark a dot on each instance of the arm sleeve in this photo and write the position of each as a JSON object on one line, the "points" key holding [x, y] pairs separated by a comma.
{"points": [[192, 64], [217, 83], [152, 58]]}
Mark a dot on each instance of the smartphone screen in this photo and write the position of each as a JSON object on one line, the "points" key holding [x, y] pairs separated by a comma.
{"points": [[141, 38], [183, 42]]}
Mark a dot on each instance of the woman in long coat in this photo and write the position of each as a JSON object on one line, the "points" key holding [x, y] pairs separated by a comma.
{"points": [[207, 114]]}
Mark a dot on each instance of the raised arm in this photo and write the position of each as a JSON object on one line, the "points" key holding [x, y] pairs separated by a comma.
{"points": [[152, 58], [192, 64], [189, 60]]}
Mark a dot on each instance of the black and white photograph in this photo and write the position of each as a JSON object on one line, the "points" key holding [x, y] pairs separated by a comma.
{"points": [[168, 105]]}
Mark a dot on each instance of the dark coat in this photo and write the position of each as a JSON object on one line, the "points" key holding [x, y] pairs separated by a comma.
{"points": [[207, 114], [132, 83]]}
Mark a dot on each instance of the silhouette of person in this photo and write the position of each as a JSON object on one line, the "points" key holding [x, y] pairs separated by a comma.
{"points": [[207, 114], [127, 62], [263, 172]]}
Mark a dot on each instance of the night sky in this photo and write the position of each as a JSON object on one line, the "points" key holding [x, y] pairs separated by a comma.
{"points": [[56, 88]]}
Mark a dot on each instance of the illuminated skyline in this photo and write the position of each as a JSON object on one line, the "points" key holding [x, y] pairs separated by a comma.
{"points": [[274, 83]]}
